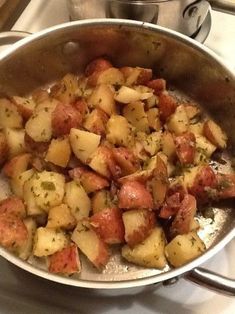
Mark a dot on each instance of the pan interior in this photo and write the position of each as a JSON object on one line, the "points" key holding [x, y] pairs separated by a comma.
{"points": [[191, 70]]}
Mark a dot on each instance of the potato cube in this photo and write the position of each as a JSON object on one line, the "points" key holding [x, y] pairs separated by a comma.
{"points": [[9, 115], [15, 141], [150, 252], [60, 217], [90, 244], [26, 250], [103, 98], [215, 134], [48, 189], [101, 200], [153, 143], [65, 90], [135, 114], [16, 165], [119, 131], [24, 105], [59, 152], [138, 224], [83, 143], [178, 121], [47, 241], [17, 183], [154, 119], [77, 200], [184, 248]]}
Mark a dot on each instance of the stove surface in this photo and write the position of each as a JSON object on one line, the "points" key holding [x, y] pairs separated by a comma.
{"points": [[24, 293]]}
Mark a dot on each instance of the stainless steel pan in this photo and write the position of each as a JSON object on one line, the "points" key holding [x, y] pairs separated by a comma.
{"points": [[190, 67], [184, 16]]}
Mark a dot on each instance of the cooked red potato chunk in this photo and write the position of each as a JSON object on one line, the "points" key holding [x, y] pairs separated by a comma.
{"points": [[126, 160], [65, 261], [171, 206], [108, 224], [65, 90], [102, 98], [134, 194], [90, 180], [136, 76], [150, 252], [184, 217], [112, 76], [159, 86], [59, 152], [25, 106], [90, 244], [13, 233], [60, 217], [13, 205], [138, 224], [97, 65], [178, 121], [9, 115], [215, 134], [96, 122], [100, 200], [3, 148], [64, 118], [16, 165], [167, 106], [15, 141], [185, 148]]}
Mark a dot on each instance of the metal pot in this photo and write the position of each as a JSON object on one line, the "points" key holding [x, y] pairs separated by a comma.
{"points": [[184, 16], [189, 66]]}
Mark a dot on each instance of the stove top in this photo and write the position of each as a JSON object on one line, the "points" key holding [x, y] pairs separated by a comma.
{"points": [[24, 293]]}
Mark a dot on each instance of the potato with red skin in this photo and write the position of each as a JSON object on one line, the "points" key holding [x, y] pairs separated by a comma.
{"points": [[13, 205], [90, 180], [183, 219], [110, 76], [226, 185], [81, 106], [126, 160], [158, 85], [64, 118], [25, 106], [185, 147], [108, 224], [215, 134], [171, 206], [4, 148], [159, 183], [35, 147], [167, 105], [91, 245], [138, 224], [204, 185], [96, 121], [134, 194], [65, 262], [13, 233], [97, 65], [16, 165]]}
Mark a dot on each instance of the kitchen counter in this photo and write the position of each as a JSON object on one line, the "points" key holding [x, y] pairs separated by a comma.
{"points": [[24, 293]]}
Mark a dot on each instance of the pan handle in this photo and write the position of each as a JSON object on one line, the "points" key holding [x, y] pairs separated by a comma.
{"points": [[225, 6], [212, 281]]}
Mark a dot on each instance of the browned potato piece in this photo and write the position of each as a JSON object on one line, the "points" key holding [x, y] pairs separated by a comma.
{"points": [[101, 200], [138, 224], [13, 205], [25, 106], [65, 90], [168, 145], [192, 111], [59, 152], [16, 165], [112, 76], [136, 115], [150, 252], [60, 217], [9, 115], [154, 119], [136, 76], [184, 248], [90, 244], [103, 98], [96, 122], [3, 148], [15, 141], [215, 134]]}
